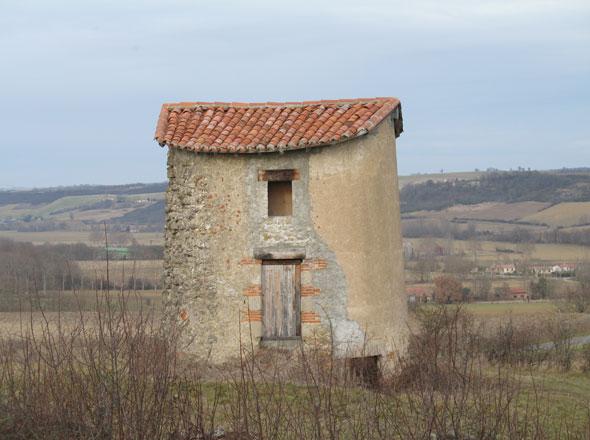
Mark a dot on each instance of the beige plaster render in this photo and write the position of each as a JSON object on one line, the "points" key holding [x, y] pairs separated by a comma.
{"points": [[355, 210]]}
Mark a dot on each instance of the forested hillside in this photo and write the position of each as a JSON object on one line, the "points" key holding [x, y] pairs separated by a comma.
{"points": [[149, 215], [507, 187]]}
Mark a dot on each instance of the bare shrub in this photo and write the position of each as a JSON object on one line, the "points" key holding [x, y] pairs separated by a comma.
{"points": [[585, 353], [442, 347], [113, 375], [445, 388], [563, 349], [119, 374], [515, 345]]}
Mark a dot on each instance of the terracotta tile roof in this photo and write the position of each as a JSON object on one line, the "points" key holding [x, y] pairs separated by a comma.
{"points": [[222, 127], [418, 290]]}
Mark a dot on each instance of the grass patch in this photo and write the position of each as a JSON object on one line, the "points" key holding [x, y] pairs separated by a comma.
{"points": [[563, 214], [514, 308]]}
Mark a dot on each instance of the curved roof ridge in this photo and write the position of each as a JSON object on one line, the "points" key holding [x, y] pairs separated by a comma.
{"points": [[189, 125]]}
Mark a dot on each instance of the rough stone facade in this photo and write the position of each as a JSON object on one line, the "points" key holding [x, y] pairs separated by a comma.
{"points": [[345, 218]]}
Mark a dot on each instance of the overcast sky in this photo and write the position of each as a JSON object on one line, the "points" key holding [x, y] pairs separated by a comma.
{"points": [[484, 83]]}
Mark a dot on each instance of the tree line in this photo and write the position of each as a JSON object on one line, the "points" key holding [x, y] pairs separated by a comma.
{"points": [[441, 228], [507, 187], [25, 267], [28, 268]]}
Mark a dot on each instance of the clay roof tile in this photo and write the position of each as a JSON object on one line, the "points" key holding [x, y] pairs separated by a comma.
{"points": [[237, 127]]}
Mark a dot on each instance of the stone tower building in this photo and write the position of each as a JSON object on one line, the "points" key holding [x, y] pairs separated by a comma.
{"points": [[283, 222]]}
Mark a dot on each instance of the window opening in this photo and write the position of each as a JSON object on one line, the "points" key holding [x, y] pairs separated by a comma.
{"points": [[280, 198]]}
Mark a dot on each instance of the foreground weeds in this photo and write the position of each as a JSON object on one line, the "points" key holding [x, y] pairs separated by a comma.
{"points": [[117, 374], [112, 374]]}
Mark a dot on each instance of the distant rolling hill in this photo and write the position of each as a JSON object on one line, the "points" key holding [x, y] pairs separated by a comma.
{"points": [[151, 214], [48, 195], [521, 206], [414, 179], [134, 206], [505, 187], [492, 199]]}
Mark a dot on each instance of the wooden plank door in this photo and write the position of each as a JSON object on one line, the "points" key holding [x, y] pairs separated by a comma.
{"points": [[281, 302]]}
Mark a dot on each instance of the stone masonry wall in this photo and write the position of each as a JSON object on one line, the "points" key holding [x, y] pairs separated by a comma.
{"points": [[217, 216]]}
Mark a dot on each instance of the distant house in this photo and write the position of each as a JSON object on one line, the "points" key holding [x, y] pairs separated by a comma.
{"points": [[563, 268], [518, 293], [419, 293], [439, 250], [552, 269], [541, 269], [408, 250], [503, 269]]}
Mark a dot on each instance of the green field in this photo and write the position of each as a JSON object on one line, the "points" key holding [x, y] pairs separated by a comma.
{"points": [[503, 309], [78, 206], [45, 210]]}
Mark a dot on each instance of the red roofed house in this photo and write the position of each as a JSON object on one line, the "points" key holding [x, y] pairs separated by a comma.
{"points": [[518, 293], [283, 222], [419, 293]]}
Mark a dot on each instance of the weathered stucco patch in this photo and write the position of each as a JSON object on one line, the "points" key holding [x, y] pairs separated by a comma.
{"points": [[355, 209]]}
